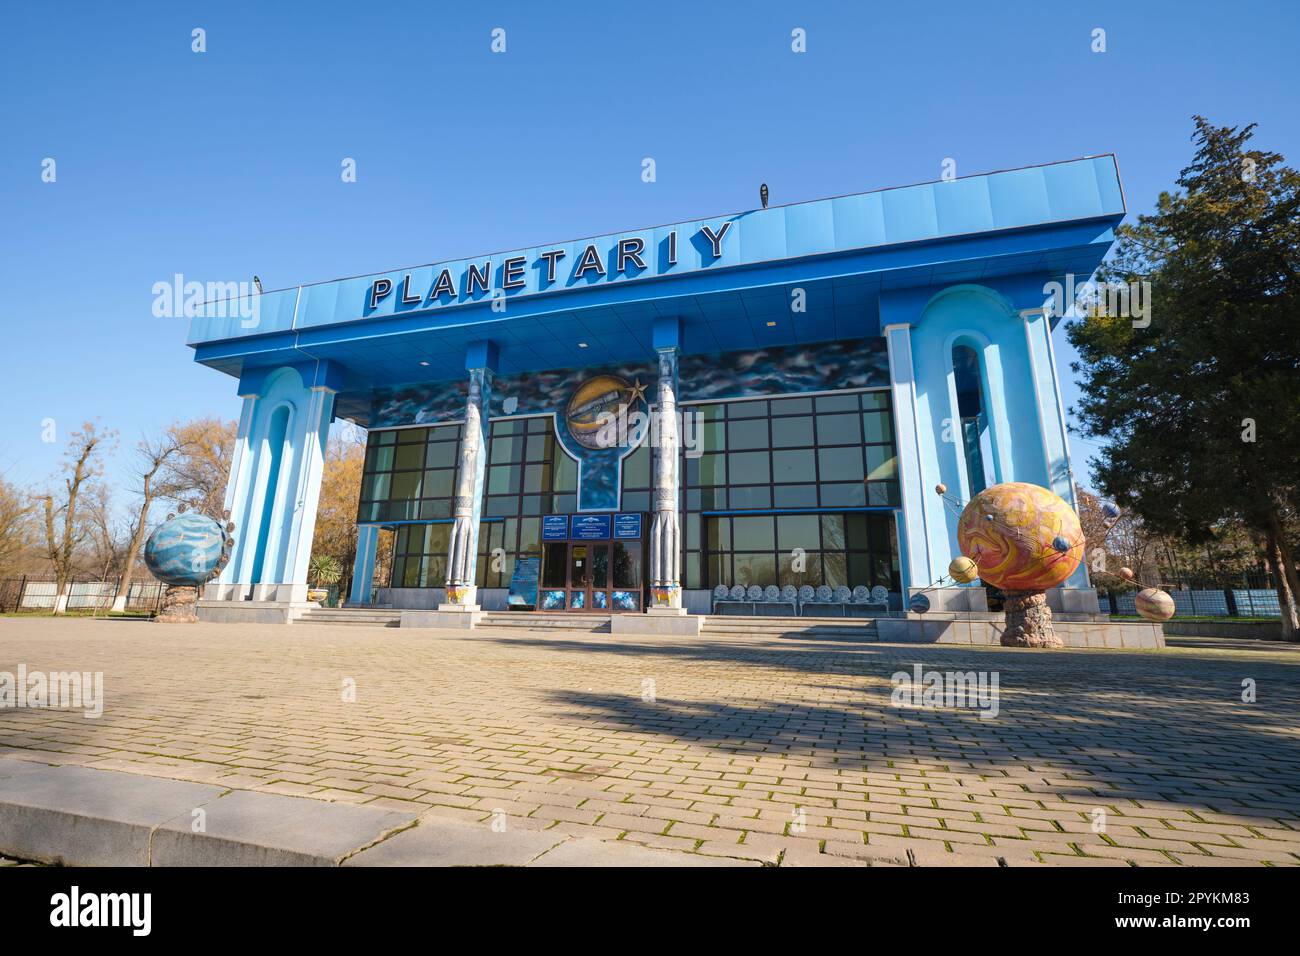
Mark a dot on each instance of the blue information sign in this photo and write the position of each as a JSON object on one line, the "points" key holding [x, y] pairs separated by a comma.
{"points": [[627, 526], [523, 583], [590, 527], [555, 527]]}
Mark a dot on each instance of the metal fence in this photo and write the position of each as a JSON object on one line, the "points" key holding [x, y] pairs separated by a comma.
{"points": [[1204, 602], [37, 594]]}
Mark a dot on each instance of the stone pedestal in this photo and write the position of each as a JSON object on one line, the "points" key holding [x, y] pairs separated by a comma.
{"points": [[1029, 620], [664, 621], [179, 606], [452, 616]]}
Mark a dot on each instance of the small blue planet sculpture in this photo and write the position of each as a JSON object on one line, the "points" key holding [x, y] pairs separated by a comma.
{"points": [[919, 604], [187, 550]]}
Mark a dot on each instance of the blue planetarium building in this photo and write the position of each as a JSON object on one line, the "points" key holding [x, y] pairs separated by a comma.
{"points": [[736, 412]]}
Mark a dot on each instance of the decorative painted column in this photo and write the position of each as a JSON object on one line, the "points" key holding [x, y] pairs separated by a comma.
{"points": [[665, 527], [363, 567], [665, 615], [467, 505]]}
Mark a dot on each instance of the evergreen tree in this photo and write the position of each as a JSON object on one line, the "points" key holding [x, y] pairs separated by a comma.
{"points": [[1202, 405]]}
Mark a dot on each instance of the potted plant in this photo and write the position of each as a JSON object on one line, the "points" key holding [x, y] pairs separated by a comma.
{"points": [[322, 571]]}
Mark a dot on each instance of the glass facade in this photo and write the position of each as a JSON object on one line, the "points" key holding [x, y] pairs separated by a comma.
{"points": [[410, 474], [809, 468], [798, 453]]}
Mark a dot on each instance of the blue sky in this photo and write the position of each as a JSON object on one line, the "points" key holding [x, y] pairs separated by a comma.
{"points": [[224, 164]]}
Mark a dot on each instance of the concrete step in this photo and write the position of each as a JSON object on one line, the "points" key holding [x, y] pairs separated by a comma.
{"points": [[78, 816], [350, 617], [584, 623], [809, 628]]}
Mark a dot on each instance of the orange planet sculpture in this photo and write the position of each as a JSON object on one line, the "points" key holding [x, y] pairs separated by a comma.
{"points": [[1154, 605], [1021, 536]]}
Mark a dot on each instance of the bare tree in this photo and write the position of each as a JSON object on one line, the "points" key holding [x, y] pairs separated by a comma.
{"points": [[153, 456], [197, 473], [15, 525], [105, 531], [84, 448]]}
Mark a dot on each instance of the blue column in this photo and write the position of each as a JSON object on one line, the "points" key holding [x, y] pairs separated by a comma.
{"points": [[363, 567], [275, 479], [914, 542]]}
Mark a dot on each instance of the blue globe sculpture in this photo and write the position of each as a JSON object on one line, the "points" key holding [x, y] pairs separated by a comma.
{"points": [[186, 550]]}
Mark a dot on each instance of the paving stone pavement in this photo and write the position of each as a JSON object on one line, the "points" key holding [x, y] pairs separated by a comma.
{"points": [[778, 751]]}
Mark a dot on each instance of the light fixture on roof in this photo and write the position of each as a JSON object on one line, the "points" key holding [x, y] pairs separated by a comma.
{"points": [[762, 194], [258, 283]]}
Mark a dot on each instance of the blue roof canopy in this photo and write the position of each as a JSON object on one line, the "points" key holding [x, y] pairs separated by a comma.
{"points": [[730, 279]]}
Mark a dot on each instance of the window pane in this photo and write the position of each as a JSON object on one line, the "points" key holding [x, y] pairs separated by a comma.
{"points": [[503, 480], [530, 533], [792, 432], [566, 473], [840, 464], [627, 565], [835, 571], [839, 430], [850, 495], [412, 436], [718, 534], [707, 469], [712, 436], [438, 484], [538, 447], [800, 571], [837, 403], [789, 466], [882, 493], [507, 449], [756, 496], [757, 569], [435, 508], [860, 571], [877, 427], [535, 478], [855, 527], [792, 406], [797, 531], [409, 456], [748, 468], [406, 485], [747, 434], [636, 468], [881, 462], [553, 564], [877, 399], [794, 496], [833, 532], [753, 533], [440, 455], [719, 568], [746, 409], [636, 501]]}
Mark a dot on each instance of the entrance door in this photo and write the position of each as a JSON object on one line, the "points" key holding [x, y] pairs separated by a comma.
{"points": [[589, 576], [598, 576]]}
